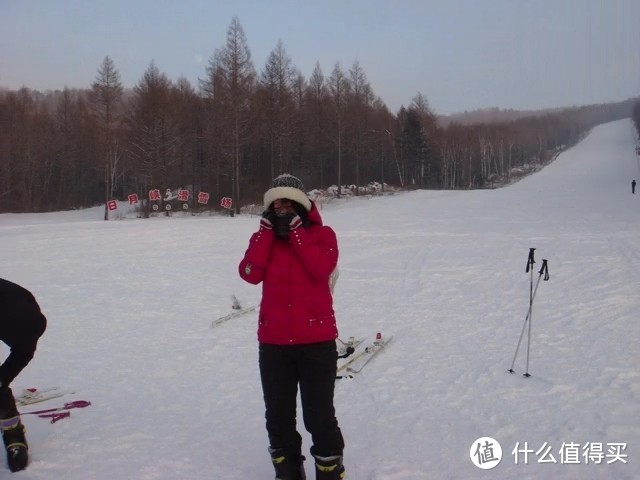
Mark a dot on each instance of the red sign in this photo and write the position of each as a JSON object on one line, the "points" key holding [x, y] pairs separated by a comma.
{"points": [[154, 195], [133, 199], [203, 198], [226, 202], [183, 195], [112, 205]]}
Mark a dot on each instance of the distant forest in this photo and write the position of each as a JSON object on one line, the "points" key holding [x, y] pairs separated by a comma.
{"points": [[238, 128]]}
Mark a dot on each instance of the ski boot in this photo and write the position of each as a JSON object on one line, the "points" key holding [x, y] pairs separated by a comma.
{"points": [[15, 443], [329, 468], [288, 466]]}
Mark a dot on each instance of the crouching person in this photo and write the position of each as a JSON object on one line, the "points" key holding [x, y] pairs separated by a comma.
{"points": [[21, 325]]}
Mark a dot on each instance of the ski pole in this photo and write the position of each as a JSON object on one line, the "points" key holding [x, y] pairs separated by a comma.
{"points": [[524, 325], [55, 416], [67, 406], [543, 270]]}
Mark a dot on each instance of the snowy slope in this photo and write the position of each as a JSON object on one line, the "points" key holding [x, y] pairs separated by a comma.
{"points": [[130, 305]]}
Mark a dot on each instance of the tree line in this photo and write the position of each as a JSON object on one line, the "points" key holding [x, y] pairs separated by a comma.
{"points": [[239, 128]]}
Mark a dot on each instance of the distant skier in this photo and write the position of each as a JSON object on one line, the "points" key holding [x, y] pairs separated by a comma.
{"points": [[21, 325], [293, 254], [633, 186]]}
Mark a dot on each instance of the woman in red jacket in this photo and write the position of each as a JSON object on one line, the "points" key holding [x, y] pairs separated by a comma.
{"points": [[293, 254]]}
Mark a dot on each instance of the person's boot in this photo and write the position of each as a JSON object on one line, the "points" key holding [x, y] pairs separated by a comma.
{"points": [[15, 443], [288, 466], [329, 468]]}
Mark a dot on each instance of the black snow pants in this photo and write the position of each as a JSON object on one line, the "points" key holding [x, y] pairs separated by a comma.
{"points": [[313, 367]]}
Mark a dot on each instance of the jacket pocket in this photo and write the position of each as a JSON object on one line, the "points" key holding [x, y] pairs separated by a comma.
{"points": [[326, 320]]}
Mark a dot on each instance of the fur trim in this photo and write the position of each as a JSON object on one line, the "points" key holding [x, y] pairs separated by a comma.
{"points": [[286, 192]]}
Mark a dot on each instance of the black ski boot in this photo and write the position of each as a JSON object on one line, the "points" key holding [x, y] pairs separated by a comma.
{"points": [[15, 443], [288, 466], [329, 468]]}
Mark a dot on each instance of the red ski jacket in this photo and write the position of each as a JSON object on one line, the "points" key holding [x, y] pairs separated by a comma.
{"points": [[297, 305]]}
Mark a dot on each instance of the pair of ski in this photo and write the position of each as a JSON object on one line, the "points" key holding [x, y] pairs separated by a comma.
{"points": [[31, 396], [360, 359], [352, 366]]}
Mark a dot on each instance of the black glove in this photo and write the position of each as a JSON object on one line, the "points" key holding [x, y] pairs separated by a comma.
{"points": [[281, 224], [268, 219]]}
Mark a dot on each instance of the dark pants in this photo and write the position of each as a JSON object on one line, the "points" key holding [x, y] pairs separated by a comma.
{"points": [[22, 328], [8, 407], [313, 367]]}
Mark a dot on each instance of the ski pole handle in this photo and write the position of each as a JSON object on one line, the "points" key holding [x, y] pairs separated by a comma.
{"points": [[530, 259], [544, 269]]}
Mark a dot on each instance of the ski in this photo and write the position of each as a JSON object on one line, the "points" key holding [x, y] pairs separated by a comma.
{"points": [[30, 396], [237, 313], [362, 358]]}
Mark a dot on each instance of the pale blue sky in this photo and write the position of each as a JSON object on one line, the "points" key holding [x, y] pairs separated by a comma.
{"points": [[461, 54]]}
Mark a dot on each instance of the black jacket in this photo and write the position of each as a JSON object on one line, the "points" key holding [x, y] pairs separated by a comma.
{"points": [[21, 325]]}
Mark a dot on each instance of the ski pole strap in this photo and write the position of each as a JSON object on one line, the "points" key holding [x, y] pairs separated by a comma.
{"points": [[544, 270], [530, 260]]}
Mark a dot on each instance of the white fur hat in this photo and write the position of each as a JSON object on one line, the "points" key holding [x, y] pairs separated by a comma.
{"points": [[287, 186]]}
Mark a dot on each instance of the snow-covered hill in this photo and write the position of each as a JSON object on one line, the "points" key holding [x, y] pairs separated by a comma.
{"points": [[130, 304]]}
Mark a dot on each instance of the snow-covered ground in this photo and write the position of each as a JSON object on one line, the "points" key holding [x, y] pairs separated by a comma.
{"points": [[130, 305]]}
